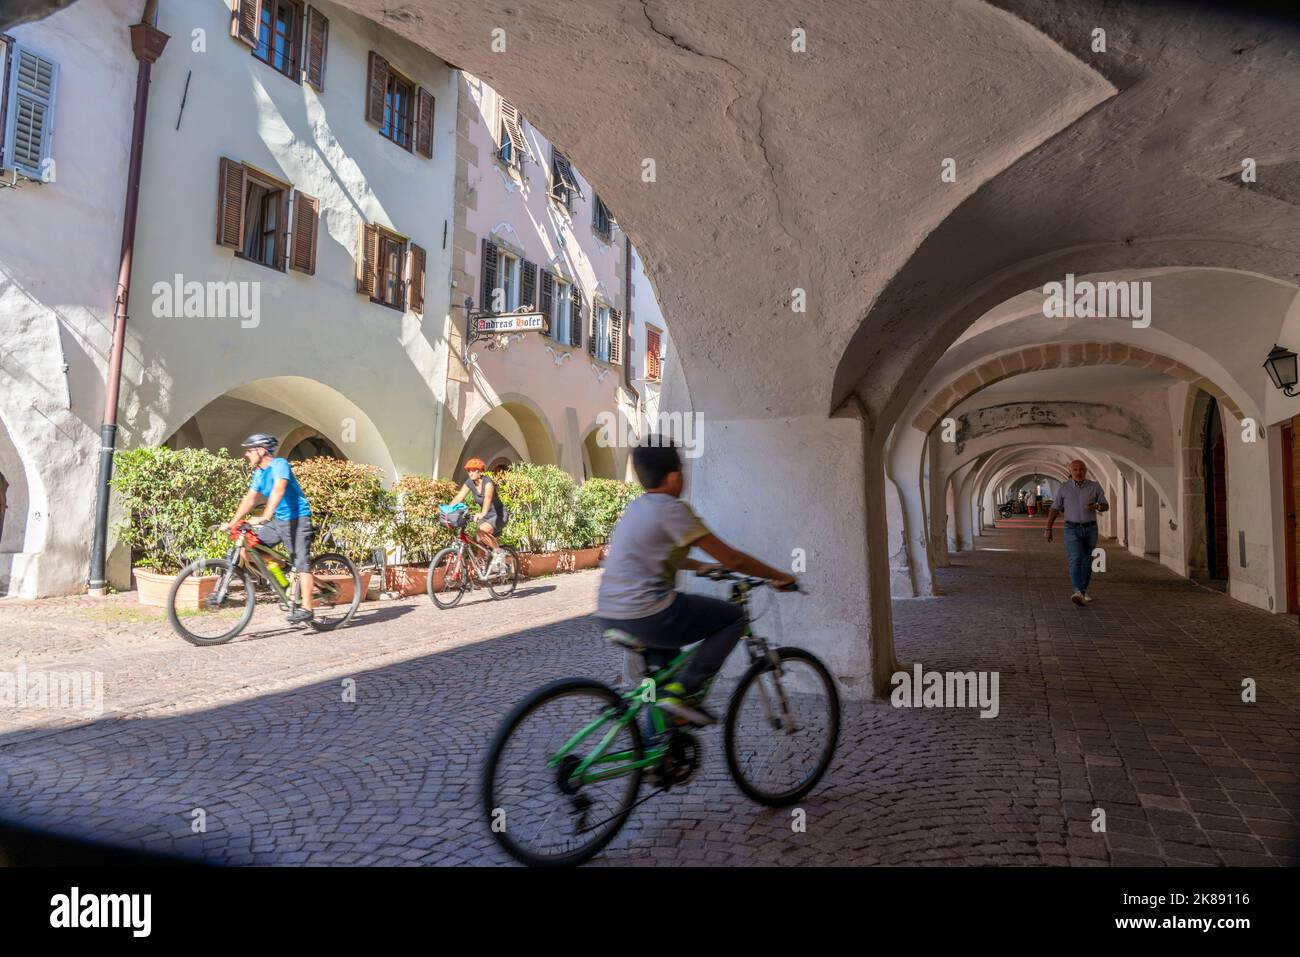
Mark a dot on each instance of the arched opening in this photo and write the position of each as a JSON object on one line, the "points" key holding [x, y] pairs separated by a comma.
{"points": [[506, 434], [15, 506], [597, 460], [1215, 464], [309, 418]]}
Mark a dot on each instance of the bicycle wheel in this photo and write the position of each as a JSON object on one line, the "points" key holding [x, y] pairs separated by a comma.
{"points": [[504, 583], [536, 811], [225, 603], [447, 578], [782, 726], [336, 591]]}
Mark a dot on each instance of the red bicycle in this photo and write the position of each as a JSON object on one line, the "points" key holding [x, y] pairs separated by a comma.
{"points": [[467, 564]]}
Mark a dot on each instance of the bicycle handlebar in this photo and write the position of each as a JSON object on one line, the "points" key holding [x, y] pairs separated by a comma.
{"points": [[726, 574]]}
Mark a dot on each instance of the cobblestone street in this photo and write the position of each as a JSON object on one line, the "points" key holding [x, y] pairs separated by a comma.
{"points": [[1132, 705]]}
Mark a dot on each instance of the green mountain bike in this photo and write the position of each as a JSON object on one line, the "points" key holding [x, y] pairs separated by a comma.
{"points": [[212, 599], [563, 772]]}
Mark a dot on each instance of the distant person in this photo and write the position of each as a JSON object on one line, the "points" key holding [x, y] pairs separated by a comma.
{"points": [[1079, 499]]}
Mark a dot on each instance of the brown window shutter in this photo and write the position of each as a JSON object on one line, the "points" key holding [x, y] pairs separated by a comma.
{"points": [[317, 37], [546, 301], [575, 316], [302, 247], [417, 258], [510, 119], [368, 261], [376, 89], [489, 273], [651, 354], [424, 122], [231, 186], [528, 285], [246, 20], [615, 337], [591, 331]]}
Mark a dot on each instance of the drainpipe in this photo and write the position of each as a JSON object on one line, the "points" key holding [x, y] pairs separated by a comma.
{"points": [[147, 43], [627, 311]]}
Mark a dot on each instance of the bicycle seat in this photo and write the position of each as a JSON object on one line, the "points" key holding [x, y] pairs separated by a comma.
{"points": [[622, 638]]}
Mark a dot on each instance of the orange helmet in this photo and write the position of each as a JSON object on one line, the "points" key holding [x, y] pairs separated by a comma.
{"points": [[475, 464]]}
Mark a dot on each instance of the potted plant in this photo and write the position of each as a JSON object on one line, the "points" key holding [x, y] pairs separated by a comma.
{"points": [[542, 500], [600, 503], [351, 509], [172, 499], [416, 532]]}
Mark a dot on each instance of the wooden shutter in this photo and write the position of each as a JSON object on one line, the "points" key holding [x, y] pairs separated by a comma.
{"points": [[302, 246], [232, 186], [317, 36], [424, 122], [30, 85], [593, 330], [546, 302], [489, 273], [564, 184], [615, 337], [575, 315], [246, 21], [376, 89], [510, 120], [528, 285], [416, 257], [651, 354], [368, 261]]}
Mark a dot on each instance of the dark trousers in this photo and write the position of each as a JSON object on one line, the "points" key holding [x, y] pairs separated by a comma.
{"points": [[690, 618]]}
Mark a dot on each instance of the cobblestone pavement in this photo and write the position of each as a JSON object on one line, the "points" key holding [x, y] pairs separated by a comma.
{"points": [[1132, 705]]}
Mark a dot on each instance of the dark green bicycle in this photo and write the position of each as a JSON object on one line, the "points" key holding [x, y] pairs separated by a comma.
{"points": [[563, 772], [212, 599]]}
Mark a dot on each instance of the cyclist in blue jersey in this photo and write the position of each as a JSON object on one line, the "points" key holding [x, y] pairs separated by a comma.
{"points": [[286, 518]]}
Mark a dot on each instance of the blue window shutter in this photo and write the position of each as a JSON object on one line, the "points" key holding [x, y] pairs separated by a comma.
{"points": [[29, 114]]}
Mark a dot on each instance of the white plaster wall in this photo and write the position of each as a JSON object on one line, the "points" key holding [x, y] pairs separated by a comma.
{"points": [[1250, 511], [362, 367], [59, 246]]}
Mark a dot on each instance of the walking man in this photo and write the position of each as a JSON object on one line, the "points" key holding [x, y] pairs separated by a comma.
{"points": [[1079, 500]]}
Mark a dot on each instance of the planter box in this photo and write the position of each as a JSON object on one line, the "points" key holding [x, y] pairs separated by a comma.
{"points": [[407, 580], [533, 564], [577, 559], [344, 583], [152, 589]]}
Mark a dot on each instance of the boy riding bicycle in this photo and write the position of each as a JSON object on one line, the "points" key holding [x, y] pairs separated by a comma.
{"points": [[286, 519], [649, 545]]}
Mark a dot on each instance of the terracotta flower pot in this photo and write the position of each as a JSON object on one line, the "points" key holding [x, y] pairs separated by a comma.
{"points": [[153, 589], [407, 580], [588, 557], [344, 584], [534, 564]]}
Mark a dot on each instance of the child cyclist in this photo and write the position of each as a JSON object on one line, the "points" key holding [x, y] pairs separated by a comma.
{"points": [[649, 545]]}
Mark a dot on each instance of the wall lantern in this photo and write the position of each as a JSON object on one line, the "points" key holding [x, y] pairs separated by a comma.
{"points": [[1281, 366]]}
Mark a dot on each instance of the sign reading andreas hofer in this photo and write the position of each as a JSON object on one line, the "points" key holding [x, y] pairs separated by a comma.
{"points": [[509, 322]]}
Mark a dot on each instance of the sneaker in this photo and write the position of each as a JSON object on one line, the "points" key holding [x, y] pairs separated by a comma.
{"points": [[1078, 598], [496, 565], [1087, 598], [299, 616], [686, 708]]}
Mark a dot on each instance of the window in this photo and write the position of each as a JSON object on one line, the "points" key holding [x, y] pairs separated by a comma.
{"points": [[564, 183], [397, 111], [508, 276], [390, 270], [279, 36], [652, 364], [602, 223], [264, 227], [600, 331], [510, 136], [27, 87], [402, 110], [561, 313]]}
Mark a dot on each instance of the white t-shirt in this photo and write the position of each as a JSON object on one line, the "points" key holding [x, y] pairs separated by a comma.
{"points": [[648, 544]]}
